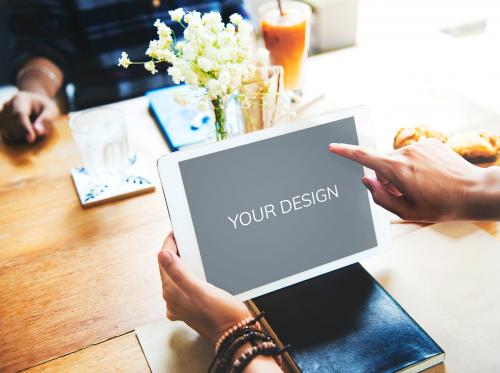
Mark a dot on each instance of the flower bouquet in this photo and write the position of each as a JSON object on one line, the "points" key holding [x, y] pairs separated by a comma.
{"points": [[214, 59]]}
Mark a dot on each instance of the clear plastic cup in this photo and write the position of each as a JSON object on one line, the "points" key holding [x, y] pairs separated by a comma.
{"points": [[101, 136], [287, 38]]}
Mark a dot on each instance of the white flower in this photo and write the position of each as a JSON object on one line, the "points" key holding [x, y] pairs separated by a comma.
{"points": [[204, 64], [124, 60], [213, 56], [181, 98], [157, 48], [236, 19], [230, 28], [244, 29], [188, 52], [193, 18], [166, 55], [162, 29], [227, 38], [191, 78], [213, 21], [214, 89], [224, 78], [203, 105], [176, 74], [152, 49], [176, 15], [150, 66]]}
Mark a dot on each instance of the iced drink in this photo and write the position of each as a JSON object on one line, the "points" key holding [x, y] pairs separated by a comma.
{"points": [[286, 38]]}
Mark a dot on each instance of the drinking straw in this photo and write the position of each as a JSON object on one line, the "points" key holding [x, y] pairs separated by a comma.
{"points": [[281, 8]]}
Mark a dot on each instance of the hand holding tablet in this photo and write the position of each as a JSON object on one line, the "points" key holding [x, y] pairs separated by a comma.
{"points": [[263, 211]]}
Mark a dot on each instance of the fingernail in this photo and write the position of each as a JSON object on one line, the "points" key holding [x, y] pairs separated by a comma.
{"points": [[167, 257], [336, 145], [367, 184]]}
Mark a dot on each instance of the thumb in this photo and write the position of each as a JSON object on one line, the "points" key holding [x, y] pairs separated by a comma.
{"points": [[165, 259], [172, 265], [382, 197]]}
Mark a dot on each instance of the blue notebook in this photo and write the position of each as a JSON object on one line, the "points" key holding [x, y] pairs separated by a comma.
{"points": [[183, 125], [345, 321]]}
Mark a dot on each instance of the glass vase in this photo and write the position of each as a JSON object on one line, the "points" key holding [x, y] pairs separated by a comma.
{"points": [[220, 119]]}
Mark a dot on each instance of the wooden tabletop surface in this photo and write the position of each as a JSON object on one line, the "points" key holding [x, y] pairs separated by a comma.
{"points": [[71, 277], [76, 282]]}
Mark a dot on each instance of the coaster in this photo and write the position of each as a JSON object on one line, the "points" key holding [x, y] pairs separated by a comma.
{"points": [[137, 182]]}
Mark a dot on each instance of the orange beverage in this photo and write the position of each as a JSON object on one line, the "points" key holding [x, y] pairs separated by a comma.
{"points": [[286, 37]]}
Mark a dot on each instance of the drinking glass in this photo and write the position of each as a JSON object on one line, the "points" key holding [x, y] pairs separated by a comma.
{"points": [[101, 136], [287, 38], [263, 102]]}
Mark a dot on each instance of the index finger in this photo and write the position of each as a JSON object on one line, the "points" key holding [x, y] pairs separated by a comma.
{"points": [[364, 156]]}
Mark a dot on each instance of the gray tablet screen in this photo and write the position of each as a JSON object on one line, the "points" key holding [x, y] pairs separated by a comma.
{"points": [[271, 209]]}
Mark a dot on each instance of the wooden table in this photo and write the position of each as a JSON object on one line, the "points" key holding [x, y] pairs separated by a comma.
{"points": [[76, 279], [76, 282], [71, 278]]}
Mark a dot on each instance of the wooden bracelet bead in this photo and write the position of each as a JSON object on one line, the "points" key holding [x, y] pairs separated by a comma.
{"points": [[231, 330]]}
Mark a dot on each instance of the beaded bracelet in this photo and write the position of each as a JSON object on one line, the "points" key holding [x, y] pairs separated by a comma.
{"points": [[233, 336], [233, 332], [252, 337], [228, 341], [230, 331], [249, 321], [223, 363], [265, 349]]}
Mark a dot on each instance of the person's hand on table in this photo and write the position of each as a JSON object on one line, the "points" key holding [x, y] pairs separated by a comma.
{"points": [[428, 182], [26, 117]]}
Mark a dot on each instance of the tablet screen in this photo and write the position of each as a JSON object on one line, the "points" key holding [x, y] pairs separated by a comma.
{"points": [[277, 207]]}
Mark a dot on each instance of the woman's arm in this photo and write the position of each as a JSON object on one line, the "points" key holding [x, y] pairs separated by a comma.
{"points": [[40, 75], [428, 182], [484, 203], [207, 309], [42, 30], [44, 48]]}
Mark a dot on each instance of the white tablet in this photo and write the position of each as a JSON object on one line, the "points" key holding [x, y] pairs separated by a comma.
{"points": [[268, 209]]}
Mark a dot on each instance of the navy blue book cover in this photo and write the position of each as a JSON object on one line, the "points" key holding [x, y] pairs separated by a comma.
{"points": [[345, 321]]}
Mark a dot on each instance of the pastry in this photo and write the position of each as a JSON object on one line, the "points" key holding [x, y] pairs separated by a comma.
{"points": [[409, 135], [476, 147]]}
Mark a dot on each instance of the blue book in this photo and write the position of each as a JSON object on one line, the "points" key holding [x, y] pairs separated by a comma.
{"points": [[180, 125], [184, 125], [345, 321]]}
